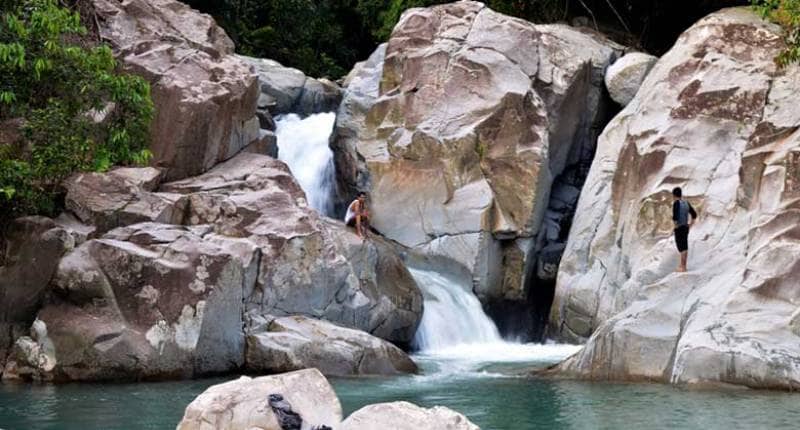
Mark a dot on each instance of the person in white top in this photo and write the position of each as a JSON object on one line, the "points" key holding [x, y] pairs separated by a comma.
{"points": [[358, 216]]}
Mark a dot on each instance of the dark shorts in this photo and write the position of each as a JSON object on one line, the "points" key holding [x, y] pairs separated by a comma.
{"points": [[682, 238]]}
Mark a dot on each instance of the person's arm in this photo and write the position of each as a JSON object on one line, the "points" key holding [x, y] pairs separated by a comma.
{"points": [[692, 213], [675, 212]]}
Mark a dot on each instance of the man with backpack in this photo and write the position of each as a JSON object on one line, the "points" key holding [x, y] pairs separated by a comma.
{"points": [[683, 215]]}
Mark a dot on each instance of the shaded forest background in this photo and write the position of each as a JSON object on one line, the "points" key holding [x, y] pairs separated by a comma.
{"points": [[326, 37]]}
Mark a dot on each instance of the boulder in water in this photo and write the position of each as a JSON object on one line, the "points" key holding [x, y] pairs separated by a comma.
{"points": [[296, 342], [251, 403], [719, 118], [406, 416], [459, 130], [150, 301], [205, 97]]}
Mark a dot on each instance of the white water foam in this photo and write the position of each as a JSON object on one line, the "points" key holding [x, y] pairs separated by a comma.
{"points": [[457, 333], [303, 146]]}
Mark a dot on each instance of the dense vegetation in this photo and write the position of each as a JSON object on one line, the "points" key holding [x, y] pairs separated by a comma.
{"points": [[787, 14], [326, 37], [63, 106]]}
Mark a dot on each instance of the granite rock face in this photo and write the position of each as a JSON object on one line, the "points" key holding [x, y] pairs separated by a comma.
{"points": [[243, 404], [308, 265], [285, 90], [716, 117], [293, 343], [149, 301], [406, 416], [205, 97], [33, 248], [625, 76], [459, 127]]}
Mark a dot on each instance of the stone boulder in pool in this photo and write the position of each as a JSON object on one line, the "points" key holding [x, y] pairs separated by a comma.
{"points": [[305, 400], [406, 416], [717, 117], [244, 404], [297, 342], [461, 131]]}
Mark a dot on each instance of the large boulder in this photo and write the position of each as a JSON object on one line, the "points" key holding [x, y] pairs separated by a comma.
{"points": [[28, 260], [205, 97], [308, 265], [717, 117], [406, 416], [472, 116], [244, 404], [150, 301], [285, 90], [293, 343], [625, 76], [119, 198]]}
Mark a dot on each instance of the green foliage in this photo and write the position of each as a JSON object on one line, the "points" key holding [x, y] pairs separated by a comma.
{"points": [[787, 14], [77, 113]]}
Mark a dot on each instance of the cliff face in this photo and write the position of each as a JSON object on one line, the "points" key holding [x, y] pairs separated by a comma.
{"points": [[205, 96], [460, 130], [716, 117]]}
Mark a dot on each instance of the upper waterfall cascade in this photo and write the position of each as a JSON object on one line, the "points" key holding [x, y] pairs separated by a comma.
{"points": [[303, 146]]}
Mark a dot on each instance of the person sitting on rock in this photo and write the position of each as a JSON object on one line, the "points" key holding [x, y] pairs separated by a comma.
{"points": [[681, 213], [358, 216]]}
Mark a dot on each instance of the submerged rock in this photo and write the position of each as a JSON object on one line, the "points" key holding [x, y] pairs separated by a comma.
{"points": [[625, 76], [406, 416], [717, 117], [245, 404], [292, 343], [205, 97], [459, 133]]}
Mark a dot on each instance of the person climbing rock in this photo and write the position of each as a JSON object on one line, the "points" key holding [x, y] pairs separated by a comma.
{"points": [[358, 216], [684, 216]]}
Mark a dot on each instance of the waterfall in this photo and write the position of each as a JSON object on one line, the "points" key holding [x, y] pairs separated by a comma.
{"points": [[452, 316], [303, 146]]}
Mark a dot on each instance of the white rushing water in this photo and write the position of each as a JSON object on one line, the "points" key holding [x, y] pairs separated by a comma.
{"points": [[303, 146], [455, 329]]}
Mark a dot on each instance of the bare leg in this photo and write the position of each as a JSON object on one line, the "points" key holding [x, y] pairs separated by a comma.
{"points": [[358, 226], [684, 258]]}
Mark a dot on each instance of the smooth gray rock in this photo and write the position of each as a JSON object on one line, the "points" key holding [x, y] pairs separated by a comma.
{"points": [[309, 265], [285, 90], [296, 342], [243, 404], [150, 301], [458, 127], [625, 76], [204, 96], [406, 416], [717, 117]]}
